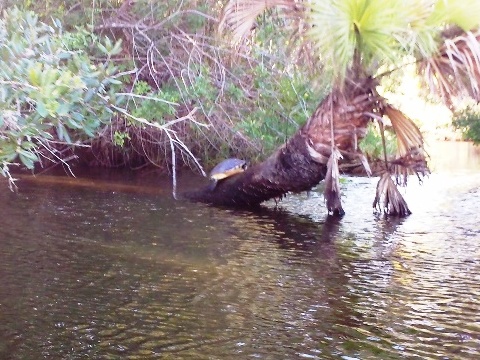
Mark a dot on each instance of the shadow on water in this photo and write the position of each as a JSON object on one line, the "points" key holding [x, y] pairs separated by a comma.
{"points": [[111, 272]]}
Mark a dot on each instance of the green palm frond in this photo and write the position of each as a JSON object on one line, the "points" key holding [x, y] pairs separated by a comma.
{"points": [[462, 13], [420, 37], [358, 36], [239, 16], [378, 30]]}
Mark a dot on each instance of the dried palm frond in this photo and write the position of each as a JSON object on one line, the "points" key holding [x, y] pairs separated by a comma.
{"points": [[388, 199], [455, 70], [412, 163], [239, 15], [411, 156], [366, 165], [332, 184], [408, 134]]}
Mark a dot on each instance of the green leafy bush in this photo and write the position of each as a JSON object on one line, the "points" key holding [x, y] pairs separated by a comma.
{"points": [[282, 106], [52, 95], [372, 146], [467, 120]]}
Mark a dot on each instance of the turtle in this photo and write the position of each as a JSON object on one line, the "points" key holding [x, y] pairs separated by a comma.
{"points": [[225, 169]]}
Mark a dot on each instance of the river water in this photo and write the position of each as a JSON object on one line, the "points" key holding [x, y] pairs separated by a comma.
{"points": [[116, 269]]}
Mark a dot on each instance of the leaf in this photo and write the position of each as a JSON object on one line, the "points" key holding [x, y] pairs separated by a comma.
{"points": [[27, 158], [114, 81], [48, 76], [42, 109], [340, 29], [77, 116], [102, 48], [34, 74], [89, 131], [117, 48], [28, 154], [29, 164], [72, 124], [89, 94], [63, 109], [63, 55], [27, 145], [463, 13], [63, 133]]}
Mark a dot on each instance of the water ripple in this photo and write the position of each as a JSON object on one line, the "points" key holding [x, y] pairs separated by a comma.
{"points": [[137, 277]]}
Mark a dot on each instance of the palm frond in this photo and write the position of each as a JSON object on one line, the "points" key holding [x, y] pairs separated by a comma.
{"points": [[411, 156], [455, 70], [408, 134], [388, 199], [462, 13], [332, 184], [427, 19], [377, 30], [239, 15]]}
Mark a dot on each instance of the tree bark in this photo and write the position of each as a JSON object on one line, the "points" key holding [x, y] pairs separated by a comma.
{"points": [[301, 163], [289, 169]]}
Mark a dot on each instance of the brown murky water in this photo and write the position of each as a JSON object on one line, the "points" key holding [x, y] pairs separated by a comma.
{"points": [[125, 274]]}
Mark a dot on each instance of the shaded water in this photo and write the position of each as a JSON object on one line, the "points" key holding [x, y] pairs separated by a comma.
{"points": [[107, 274]]}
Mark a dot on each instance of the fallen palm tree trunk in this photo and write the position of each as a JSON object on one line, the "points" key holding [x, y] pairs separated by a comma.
{"points": [[290, 169], [298, 165], [313, 154]]}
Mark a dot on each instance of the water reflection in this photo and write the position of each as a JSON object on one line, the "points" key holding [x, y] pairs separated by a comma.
{"points": [[453, 156], [128, 274]]}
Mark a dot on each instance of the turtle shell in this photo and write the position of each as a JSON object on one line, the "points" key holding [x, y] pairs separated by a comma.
{"points": [[228, 167]]}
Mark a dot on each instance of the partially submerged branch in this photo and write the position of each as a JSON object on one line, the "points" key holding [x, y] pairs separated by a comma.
{"points": [[289, 169]]}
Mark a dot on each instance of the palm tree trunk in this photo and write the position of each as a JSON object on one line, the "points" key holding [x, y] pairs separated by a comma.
{"points": [[301, 163], [289, 169]]}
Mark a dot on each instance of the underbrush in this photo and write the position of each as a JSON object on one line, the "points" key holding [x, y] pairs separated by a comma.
{"points": [[372, 144], [467, 121], [172, 93], [53, 98]]}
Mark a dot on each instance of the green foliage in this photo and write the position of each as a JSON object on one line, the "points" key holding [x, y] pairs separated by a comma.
{"points": [[382, 32], [467, 120], [372, 146], [249, 103], [281, 107], [273, 111], [50, 93], [119, 138], [156, 106], [141, 88]]}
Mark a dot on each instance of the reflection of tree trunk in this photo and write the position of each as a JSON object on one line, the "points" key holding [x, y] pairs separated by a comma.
{"points": [[301, 162]]}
